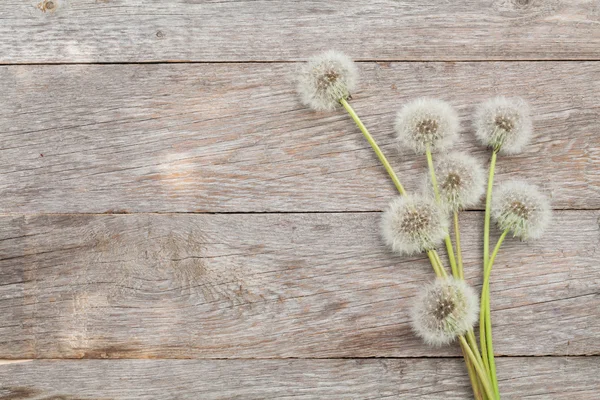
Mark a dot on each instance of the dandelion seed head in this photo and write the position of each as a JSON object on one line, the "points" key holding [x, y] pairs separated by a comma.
{"points": [[461, 181], [325, 79], [427, 122], [522, 209], [504, 124], [413, 225], [444, 310]]}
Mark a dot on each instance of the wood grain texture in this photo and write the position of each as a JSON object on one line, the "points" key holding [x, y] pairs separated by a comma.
{"points": [[519, 378], [45, 31], [272, 285], [233, 137]]}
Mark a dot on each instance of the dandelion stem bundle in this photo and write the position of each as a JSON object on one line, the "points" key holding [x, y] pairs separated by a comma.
{"points": [[447, 309]]}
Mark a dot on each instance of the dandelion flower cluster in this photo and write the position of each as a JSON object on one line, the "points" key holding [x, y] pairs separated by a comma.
{"points": [[461, 181], [326, 79], [444, 310], [413, 225], [426, 123], [522, 209], [504, 124]]}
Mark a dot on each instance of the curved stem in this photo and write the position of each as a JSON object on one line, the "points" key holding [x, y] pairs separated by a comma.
{"points": [[449, 248], [486, 315], [496, 249], [374, 145], [483, 378], [459, 263]]}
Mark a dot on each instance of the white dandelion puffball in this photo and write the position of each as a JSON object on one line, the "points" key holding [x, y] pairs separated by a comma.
{"points": [[444, 310], [413, 225], [522, 209], [460, 179], [326, 79], [504, 124], [427, 122]]}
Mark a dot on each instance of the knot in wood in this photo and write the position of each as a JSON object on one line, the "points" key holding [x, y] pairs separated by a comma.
{"points": [[47, 5]]}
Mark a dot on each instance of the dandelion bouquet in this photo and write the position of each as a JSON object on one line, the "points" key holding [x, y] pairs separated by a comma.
{"points": [[447, 309]]}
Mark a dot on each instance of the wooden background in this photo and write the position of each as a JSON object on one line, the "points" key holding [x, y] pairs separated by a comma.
{"points": [[175, 225]]}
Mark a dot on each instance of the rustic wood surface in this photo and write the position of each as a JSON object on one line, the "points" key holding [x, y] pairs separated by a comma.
{"points": [[252, 245], [231, 138], [521, 378], [184, 30], [272, 285]]}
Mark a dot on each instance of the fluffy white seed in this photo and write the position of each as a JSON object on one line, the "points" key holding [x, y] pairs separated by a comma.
{"points": [[427, 122], [522, 209], [413, 225], [461, 181], [444, 310], [325, 79], [504, 124]]}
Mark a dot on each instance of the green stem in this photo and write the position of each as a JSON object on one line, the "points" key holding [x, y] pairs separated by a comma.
{"points": [[374, 145], [450, 251], [440, 264], [473, 343], [434, 264], [482, 335], [461, 273], [432, 174], [483, 378], [486, 315], [486, 252], [475, 384], [447, 240], [488, 209]]}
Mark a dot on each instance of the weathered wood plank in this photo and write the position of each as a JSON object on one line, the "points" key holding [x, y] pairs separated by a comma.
{"points": [[272, 285], [531, 378], [218, 138], [181, 30]]}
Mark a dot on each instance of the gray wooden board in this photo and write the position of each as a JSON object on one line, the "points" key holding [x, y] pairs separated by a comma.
{"points": [[272, 285], [234, 137], [519, 378], [44, 31]]}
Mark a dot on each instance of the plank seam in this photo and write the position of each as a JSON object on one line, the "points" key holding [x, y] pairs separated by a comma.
{"points": [[423, 357], [493, 60], [17, 214]]}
